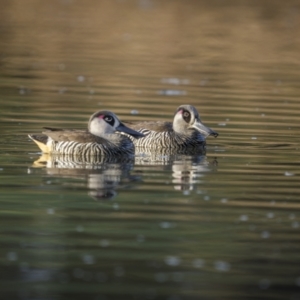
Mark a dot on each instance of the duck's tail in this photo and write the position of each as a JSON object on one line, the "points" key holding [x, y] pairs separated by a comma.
{"points": [[41, 141]]}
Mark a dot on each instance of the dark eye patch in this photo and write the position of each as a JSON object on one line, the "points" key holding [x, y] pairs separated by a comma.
{"points": [[186, 116], [109, 119]]}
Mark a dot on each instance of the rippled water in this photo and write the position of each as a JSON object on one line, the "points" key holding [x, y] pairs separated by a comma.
{"points": [[222, 225]]}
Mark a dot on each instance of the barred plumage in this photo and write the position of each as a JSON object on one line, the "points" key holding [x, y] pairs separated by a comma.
{"points": [[185, 133], [103, 137], [86, 149]]}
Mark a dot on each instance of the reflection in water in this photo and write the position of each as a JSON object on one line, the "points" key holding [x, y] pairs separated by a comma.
{"points": [[103, 174], [187, 168], [188, 172], [148, 156]]}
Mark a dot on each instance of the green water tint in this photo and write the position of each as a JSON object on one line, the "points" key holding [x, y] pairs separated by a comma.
{"points": [[219, 225]]}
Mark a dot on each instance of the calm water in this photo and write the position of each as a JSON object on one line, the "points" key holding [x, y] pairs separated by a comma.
{"points": [[224, 225]]}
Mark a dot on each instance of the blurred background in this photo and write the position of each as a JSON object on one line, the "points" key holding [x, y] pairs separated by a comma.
{"points": [[223, 225]]}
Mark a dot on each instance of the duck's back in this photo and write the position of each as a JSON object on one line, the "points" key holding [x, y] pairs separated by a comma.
{"points": [[158, 126], [161, 135], [82, 142]]}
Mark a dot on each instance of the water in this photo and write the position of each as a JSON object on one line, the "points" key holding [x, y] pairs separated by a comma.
{"points": [[223, 225]]}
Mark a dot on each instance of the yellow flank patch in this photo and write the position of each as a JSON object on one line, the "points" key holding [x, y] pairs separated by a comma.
{"points": [[42, 146], [42, 161]]}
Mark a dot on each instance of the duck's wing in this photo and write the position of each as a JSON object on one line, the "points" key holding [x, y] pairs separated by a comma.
{"points": [[72, 135], [158, 126]]}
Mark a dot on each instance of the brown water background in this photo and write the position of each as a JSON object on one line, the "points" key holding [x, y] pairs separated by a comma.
{"points": [[220, 226]]}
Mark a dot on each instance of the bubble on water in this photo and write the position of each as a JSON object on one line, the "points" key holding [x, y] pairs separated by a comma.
{"points": [[116, 206], [288, 173], [222, 124], [264, 283], [186, 192], [198, 263], [175, 81], [292, 216], [270, 215], [222, 266], [79, 228], [206, 198], [172, 92], [104, 243], [161, 277], [166, 225], [134, 112], [80, 78], [22, 91], [50, 211], [254, 138], [88, 259], [224, 200], [12, 256], [265, 234], [172, 260], [244, 218]]}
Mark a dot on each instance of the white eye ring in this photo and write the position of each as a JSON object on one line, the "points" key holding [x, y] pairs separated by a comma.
{"points": [[108, 118]]}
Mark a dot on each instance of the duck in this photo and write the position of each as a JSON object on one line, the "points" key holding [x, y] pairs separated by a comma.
{"points": [[186, 132], [105, 135]]}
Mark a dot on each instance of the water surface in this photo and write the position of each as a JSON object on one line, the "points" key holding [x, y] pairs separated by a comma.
{"points": [[221, 225]]}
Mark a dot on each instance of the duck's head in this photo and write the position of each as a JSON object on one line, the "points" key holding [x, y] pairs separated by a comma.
{"points": [[187, 118], [106, 122]]}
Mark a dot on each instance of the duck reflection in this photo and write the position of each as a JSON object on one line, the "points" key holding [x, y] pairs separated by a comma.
{"points": [[187, 168], [188, 171], [103, 174]]}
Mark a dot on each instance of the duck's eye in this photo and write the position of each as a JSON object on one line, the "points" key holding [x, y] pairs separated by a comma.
{"points": [[186, 116], [109, 120]]}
